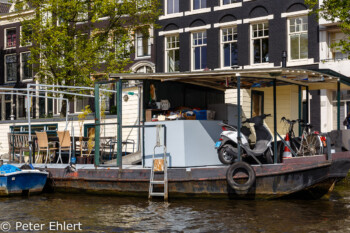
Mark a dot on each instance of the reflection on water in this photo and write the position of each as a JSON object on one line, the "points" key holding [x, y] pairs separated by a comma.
{"points": [[114, 214]]}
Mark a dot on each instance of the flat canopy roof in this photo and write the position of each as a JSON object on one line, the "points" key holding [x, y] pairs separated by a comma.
{"points": [[250, 78]]}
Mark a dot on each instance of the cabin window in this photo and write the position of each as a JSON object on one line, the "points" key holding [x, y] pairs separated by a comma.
{"points": [[298, 38], [199, 50], [257, 103], [172, 55], [260, 41], [229, 47]]}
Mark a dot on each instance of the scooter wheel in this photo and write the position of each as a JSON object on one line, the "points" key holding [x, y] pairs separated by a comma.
{"points": [[227, 154], [236, 176]]}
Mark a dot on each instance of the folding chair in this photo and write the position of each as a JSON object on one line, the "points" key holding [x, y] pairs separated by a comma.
{"points": [[43, 144], [64, 144]]}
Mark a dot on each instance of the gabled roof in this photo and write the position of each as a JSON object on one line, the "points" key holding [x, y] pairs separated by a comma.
{"points": [[4, 7]]}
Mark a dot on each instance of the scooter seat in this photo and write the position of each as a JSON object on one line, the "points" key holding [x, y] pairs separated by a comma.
{"points": [[260, 147]]}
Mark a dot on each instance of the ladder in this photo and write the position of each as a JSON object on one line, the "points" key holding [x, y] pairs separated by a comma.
{"points": [[159, 166]]}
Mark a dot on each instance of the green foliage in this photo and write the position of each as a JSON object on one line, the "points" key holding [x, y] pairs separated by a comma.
{"points": [[73, 39], [336, 11]]}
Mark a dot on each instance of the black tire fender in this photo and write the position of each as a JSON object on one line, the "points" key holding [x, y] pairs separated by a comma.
{"points": [[233, 169]]}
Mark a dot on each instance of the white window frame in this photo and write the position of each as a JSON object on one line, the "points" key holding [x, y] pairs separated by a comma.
{"points": [[20, 44], [21, 69], [223, 6], [197, 11], [171, 15], [149, 45], [227, 42], [257, 38], [296, 33], [195, 46], [166, 7], [166, 49], [5, 38], [5, 71]]}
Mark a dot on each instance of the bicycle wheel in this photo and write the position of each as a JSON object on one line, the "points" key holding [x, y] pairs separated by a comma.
{"points": [[312, 145]]}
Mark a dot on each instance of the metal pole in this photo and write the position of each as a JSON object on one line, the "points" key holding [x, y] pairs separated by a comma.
{"points": [[338, 105], [300, 105], [119, 125], [67, 113], [239, 115], [307, 104], [139, 117], [97, 125], [275, 122], [29, 127]]}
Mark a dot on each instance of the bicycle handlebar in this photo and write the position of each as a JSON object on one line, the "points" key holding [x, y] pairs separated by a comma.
{"points": [[292, 121]]}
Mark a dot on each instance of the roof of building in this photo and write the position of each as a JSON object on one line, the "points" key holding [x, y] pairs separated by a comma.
{"points": [[4, 7]]}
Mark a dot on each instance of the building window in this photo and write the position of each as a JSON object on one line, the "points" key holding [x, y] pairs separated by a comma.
{"points": [[26, 40], [260, 39], [10, 38], [144, 69], [199, 50], [336, 51], [81, 103], [172, 6], [257, 103], [172, 53], [199, 4], [26, 67], [298, 38], [143, 45], [226, 2], [11, 68], [229, 47]]}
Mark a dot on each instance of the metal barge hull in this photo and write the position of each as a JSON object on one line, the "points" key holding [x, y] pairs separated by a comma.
{"points": [[313, 176]]}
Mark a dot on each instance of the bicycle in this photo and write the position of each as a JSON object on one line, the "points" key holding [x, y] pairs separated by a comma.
{"points": [[310, 143]]}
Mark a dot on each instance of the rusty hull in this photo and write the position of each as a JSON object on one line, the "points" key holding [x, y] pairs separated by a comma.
{"points": [[311, 176]]}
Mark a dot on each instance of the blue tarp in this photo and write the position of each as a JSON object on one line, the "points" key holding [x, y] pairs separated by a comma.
{"points": [[8, 168]]}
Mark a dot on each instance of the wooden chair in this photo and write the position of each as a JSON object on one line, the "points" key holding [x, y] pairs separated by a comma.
{"points": [[64, 144], [43, 144]]}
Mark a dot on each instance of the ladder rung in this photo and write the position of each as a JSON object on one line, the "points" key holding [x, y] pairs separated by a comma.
{"points": [[157, 182], [157, 194]]}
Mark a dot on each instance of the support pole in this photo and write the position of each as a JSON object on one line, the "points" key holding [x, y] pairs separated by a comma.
{"points": [[119, 125], [97, 125], [300, 106], [338, 105], [274, 122], [239, 116], [307, 104], [30, 143]]}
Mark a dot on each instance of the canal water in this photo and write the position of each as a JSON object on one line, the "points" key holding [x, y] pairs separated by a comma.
{"points": [[115, 214]]}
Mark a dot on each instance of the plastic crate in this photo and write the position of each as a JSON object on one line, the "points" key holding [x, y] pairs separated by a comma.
{"points": [[201, 114], [204, 114]]}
